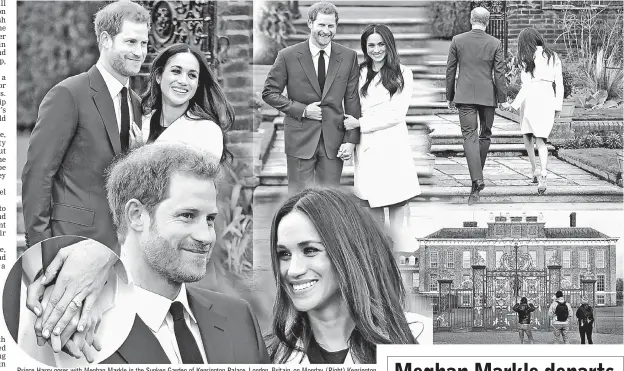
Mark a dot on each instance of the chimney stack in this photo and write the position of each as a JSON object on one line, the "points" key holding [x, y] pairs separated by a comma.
{"points": [[573, 219]]}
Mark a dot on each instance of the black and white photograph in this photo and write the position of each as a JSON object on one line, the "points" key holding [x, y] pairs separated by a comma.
{"points": [[498, 276], [134, 130], [30, 291]]}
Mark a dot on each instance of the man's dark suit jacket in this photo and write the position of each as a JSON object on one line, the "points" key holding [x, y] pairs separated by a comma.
{"points": [[478, 55], [294, 69], [228, 329], [75, 138]]}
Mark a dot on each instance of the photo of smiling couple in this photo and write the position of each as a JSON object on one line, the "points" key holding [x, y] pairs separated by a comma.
{"points": [[340, 290]]}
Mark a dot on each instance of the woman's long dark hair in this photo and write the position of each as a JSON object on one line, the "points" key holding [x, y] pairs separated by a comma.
{"points": [[391, 76], [208, 103], [528, 41], [369, 278]]}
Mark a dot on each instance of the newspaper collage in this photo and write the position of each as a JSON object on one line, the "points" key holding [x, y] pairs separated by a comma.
{"points": [[238, 185]]}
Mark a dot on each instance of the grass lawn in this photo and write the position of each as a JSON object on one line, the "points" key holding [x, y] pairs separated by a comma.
{"points": [[599, 158]]}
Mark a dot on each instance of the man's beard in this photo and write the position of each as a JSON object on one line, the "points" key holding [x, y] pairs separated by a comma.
{"points": [[164, 259], [119, 65], [318, 38]]}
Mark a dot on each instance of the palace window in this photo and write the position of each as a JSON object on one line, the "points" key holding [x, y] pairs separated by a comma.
{"points": [[532, 230], [433, 259], [549, 255], [499, 258], [499, 229], [516, 230], [402, 260], [567, 259], [466, 260], [533, 255], [583, 259], [412, 260], [416, 280], [433, 284], [600, 259], [450, 259], [600, 282]]}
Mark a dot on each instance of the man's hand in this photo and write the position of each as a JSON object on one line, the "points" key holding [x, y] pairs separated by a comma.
{"points": [[351, 122], [345, 152], [451, 104], [314, 112], [84, 268]]}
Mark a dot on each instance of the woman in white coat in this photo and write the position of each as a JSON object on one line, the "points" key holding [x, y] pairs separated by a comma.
{"points": [[339, 291], [539, 104], [184, 102], [385, 173]]}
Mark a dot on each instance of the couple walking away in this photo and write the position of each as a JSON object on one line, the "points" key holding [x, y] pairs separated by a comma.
{"points": [[321, 77], [480, 87]]}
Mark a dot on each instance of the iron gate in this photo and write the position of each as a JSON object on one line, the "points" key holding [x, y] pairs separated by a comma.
{"points": [[498, 19], [191, 22]]}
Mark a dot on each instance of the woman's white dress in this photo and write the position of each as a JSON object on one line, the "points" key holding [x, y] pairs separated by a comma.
{"points": [[385, 173], [536, 98], [202, 134]]}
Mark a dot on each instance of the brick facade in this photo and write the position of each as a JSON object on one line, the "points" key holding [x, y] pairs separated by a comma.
{"points": [[451, 253], [235, 21], [546, 16]]}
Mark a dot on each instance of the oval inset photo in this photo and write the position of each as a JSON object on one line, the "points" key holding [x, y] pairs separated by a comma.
{"points": [[67, 302]]}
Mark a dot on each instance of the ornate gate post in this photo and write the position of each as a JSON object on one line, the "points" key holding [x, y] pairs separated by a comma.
{"points": [[478, 295], [444, 304], [588, 290]]}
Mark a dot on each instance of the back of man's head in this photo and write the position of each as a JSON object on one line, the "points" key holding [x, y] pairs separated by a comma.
{"points": [[144, 174], [523, 300], [480, 16], [559, 294]]}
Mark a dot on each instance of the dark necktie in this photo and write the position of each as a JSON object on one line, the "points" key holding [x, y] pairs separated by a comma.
{"points": [[321, 69], [189, 351], [124, 134]]}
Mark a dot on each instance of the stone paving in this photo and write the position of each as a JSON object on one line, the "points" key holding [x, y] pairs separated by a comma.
{"points": [[508, 337]]}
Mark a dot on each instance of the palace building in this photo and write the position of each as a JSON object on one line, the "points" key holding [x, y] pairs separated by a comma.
{"points": [[521, 250]]}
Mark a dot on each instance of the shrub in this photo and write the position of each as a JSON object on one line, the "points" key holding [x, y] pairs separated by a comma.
{"points": [[594, 140], [613, 141], [449, 18], [272, 26]]}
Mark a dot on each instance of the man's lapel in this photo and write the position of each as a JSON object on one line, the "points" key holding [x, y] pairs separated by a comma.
{"points": [[334, 64], [305, 58], [141, 346], [212, 328], [105, 107]]}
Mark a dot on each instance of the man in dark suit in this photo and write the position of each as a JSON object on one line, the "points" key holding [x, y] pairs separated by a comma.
{"points": [[83, 122], [321, 78], [480, 88], [164, 203]]}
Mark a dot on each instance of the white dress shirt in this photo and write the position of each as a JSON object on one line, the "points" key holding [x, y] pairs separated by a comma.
{"points": [[114, 88], [154, 311], [314, 50]]}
